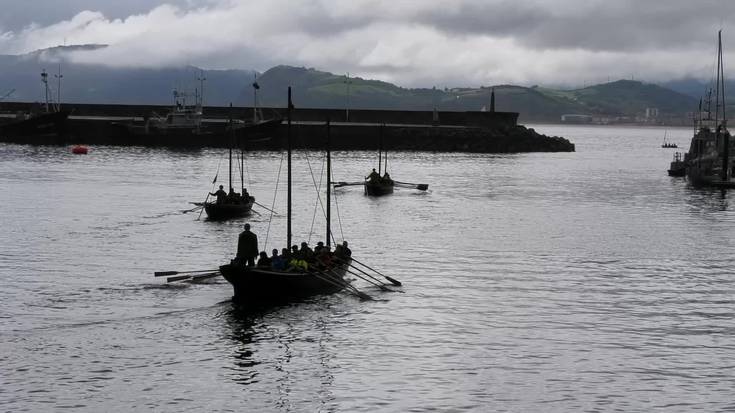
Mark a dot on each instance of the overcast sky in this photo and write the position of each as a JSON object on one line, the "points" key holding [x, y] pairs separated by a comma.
{"points": [[414, 43]]}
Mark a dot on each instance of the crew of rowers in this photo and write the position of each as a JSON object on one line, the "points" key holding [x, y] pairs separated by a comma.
{"points": [[295, 259], [375, 178], [301, 259], [230, 198]]}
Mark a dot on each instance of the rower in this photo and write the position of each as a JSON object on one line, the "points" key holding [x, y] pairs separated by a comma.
{"points": [[374, 176]]}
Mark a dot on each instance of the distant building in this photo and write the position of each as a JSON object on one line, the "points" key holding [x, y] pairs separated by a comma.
{"points": [[572, 118], [651, 113]]}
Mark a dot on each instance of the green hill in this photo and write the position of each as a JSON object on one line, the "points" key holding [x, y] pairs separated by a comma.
{"points": [[319, 89], [313, 88]]}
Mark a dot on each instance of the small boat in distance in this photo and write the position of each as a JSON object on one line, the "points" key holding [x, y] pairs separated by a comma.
{"points": [[709, 162], [232, 204], [376, 184], [668, 144]]}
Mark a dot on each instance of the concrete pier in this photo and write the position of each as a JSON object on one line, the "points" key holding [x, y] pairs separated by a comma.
{"points": [[495, 132]]}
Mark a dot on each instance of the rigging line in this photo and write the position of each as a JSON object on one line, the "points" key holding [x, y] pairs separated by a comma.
{"points": [[339, 217], [313, 218], [273, 205], [318, 195]]}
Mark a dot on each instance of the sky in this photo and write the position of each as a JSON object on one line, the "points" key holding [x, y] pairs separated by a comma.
{"points": [[413, 43]]}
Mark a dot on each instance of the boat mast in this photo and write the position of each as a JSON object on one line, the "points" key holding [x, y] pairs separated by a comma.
{"points": [[717, 82], [380, 148], [242, 167], [721, 88], [288, 146], [386, 152], [232, 132], [44, 79], [329, 187], [201, 80], [58, 77], [256, 86]]}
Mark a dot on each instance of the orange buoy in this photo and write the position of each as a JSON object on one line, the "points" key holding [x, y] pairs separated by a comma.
{"points": [[79, 150]]}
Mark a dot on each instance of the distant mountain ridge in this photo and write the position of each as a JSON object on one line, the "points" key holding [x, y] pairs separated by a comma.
{"points": [[315, 88]]}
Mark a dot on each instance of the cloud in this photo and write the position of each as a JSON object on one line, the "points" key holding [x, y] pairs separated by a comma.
{"points": [[413, 43]]}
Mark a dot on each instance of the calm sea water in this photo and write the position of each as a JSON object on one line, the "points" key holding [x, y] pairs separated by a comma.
{"points": [[586, 281]]}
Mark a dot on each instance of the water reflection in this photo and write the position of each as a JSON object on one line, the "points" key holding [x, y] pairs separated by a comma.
{"points": [[706, 199], [289, 344]]}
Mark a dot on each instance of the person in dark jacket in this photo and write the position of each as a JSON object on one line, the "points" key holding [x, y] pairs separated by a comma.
{"points": [[220, 194], [247, 247], [374, 177]]}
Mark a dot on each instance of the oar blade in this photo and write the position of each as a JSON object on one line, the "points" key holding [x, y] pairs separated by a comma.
{"points": [[164, 273], [422, 187], [393, 281], [205, 276]]}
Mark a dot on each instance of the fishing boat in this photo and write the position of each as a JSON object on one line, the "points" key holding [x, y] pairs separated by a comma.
{"points": [[678, 166], [184, 124], [50, 121], [233, 205], [709, 162], [257, 285], [258, 126]]}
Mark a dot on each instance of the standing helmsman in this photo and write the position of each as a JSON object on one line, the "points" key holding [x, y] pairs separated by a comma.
{"points": [[247, 247]]}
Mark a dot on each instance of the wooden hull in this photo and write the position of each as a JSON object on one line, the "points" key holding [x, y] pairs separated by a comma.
{"points": [[41, 126], [226, 211], [264, 286], [378, 189]]}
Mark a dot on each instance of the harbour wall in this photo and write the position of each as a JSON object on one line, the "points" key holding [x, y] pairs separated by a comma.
{"points": [[488, 132], [406, 117]]}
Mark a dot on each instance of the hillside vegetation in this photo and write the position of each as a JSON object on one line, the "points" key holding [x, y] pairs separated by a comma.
{"points": [[315, 88]]}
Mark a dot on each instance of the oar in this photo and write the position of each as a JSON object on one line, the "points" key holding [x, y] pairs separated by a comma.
{"points": [[341, 283], [264, 207], [165, 273], [420, 187], [345, 267], [200, 277], [377, 284], [392, 280], [197, 277], [340, 184], [191, 210], [376, 281], [203, 204], [178, 278]]}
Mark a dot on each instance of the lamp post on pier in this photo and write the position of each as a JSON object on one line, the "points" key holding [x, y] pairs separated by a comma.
{"points": [[348, 82], [58, 76]]}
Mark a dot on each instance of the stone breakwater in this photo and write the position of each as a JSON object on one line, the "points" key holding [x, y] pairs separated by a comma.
{"points": [[481, 132], [506, 139]]}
